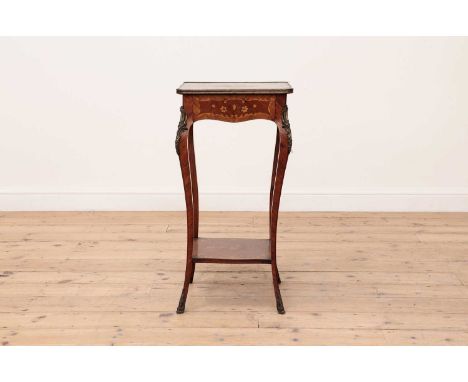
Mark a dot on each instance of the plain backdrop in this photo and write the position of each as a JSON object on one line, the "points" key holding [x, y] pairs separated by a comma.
{"points": [[378, 123]]}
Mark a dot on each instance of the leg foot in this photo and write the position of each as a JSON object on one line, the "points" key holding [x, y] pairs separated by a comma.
{"points": [[279, 300], [279, 306], [181, 307], [183, 296]]}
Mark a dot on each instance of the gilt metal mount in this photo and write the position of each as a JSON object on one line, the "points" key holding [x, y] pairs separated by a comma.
{"points": [[287, 127], [181, 128]]}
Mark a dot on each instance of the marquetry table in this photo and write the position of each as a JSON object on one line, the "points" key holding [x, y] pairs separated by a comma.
{"points": [[232, 102]]}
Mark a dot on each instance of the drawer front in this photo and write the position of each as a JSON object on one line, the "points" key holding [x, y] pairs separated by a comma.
{"points": [[234, 108]]}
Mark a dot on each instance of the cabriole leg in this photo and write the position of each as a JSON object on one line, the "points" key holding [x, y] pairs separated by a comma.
{"points": [[282, 159], [193, 176], [182, 148]]}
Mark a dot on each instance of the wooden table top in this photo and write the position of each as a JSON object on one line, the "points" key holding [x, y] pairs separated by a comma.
{"points": [[235, 88]]}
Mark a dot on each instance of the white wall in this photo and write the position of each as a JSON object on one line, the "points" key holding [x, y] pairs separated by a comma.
{"points": [[378, 123]]}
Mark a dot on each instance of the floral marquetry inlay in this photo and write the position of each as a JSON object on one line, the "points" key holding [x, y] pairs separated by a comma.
{"points": [[233, 108]]}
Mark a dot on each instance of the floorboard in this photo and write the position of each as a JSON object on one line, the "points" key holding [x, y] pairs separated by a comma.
{"points": [[114, 278]]}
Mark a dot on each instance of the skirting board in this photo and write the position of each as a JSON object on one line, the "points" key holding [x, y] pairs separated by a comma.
{"points": [[443, 202]]}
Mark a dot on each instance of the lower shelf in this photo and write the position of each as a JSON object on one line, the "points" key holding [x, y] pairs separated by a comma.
{"points": [[233, 251]]}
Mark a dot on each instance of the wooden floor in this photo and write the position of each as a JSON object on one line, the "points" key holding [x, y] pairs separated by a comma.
{"points": [[348, 279]]}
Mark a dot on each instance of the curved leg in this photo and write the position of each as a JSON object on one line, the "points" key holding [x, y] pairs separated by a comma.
{"points": [[283, 153], [182, 144], [273, 172], [282, 160], [193, 176], [272, 187]]}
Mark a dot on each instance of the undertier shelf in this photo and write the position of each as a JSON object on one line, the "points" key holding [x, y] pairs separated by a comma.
{"points": [[234, 251]]}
